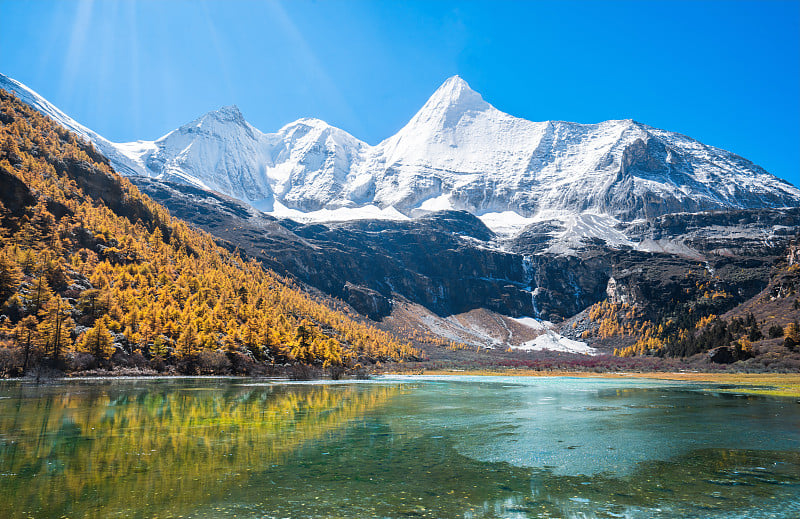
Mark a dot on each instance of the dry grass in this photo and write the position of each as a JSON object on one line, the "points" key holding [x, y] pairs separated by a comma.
{"points": [[774, 384]]}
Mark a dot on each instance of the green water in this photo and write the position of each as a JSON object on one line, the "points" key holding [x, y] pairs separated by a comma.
{"points": [[397, 447]]}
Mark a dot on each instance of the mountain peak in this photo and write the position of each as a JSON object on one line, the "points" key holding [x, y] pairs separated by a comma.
{"points": [[447, 105], [224, 115], [229, 113], [312, 122], [224, 121], [455, 83], [456, 93], [219, 120]]}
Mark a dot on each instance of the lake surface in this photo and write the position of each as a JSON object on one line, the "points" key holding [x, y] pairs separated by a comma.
{"points": [[396, 447]]}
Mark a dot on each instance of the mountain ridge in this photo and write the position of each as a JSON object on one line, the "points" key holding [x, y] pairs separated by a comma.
{"points": [[576, 268], [457, 152]]}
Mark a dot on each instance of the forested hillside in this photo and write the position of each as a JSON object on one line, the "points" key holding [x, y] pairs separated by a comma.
{"points": [[708, 318], [94, 274]]}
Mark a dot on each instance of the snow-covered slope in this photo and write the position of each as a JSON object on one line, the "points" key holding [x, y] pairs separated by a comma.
{"points": [[106, 147], [302, 167], [457, 152], [460, 151]]}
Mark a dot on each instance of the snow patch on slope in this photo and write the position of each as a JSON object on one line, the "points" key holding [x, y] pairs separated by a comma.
{"points": [[552, 341], [669, 247], [367, 212], [437, 203], [505, 223], [579, 228], [136, 150], [536, 324]]}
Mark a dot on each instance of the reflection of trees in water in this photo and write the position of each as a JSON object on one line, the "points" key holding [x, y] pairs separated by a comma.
{"points": [[170, 449], [90, 452]]}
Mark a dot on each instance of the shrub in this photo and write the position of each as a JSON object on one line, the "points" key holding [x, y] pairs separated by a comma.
{"points": [[300, 372], [11, 360], [775, 331], [213, 363], [82, 361]]}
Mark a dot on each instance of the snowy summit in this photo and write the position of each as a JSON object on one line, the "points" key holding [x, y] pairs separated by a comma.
{"points": [[456, 152]]}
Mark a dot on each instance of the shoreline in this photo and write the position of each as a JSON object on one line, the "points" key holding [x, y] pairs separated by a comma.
{"points": [[764, 384]]}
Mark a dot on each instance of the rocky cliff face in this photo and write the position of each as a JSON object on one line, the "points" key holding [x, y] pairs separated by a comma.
{"points": [[450, 262], [793, 255]]}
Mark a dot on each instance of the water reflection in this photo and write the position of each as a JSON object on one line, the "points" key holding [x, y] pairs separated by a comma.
{"points": [[474, 449], [105, 450]]}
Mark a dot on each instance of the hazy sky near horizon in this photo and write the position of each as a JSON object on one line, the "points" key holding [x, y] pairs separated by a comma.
{"points": [[725, 73]]}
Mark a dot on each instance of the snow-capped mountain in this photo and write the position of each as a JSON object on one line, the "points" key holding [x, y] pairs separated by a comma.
{"points": [[460, 152], [304, 165], [218, 151], [457, 152]]}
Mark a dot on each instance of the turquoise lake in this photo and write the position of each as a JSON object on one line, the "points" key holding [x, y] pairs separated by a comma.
{"points": [[450, 447]]}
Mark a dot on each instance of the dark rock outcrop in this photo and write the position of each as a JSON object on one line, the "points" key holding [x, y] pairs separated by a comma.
{"points": [[450, 262]]}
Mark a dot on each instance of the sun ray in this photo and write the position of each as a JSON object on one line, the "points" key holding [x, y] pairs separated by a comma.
{"points": [[75, 47], [314, 67], [222, 58]]}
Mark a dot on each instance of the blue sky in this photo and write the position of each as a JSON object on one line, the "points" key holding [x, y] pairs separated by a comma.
{"points": [[725, 72]]}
